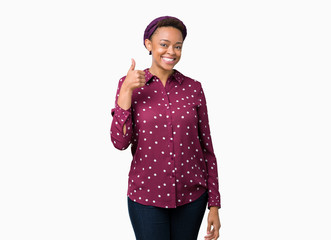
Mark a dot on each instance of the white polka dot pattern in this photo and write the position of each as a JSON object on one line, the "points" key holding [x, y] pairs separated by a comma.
{"points": [[168, 129]]}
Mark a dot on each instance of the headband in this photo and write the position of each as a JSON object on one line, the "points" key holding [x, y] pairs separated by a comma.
{"points": [[150, 29]]}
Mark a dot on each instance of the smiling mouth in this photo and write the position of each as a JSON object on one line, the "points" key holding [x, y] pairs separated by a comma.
{"points": [[168, 60]]}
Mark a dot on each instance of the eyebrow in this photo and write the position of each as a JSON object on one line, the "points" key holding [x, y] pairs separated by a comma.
{"points": [[169, 41]]}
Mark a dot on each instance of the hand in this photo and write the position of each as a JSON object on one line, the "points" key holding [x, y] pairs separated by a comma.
{"points": [[134, 78], [213, 220]]}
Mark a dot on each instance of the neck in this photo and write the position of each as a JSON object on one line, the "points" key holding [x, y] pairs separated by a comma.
{"points": [[163, 75]]}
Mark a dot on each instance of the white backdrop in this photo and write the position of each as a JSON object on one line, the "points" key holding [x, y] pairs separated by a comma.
{"points": [[265, 69]]}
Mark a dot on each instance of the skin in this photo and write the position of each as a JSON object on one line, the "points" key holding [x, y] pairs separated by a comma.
{"points": [[214, 224], [166, 42]]}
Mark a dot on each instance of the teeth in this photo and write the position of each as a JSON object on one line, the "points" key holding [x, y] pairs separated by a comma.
{"points": [[168, 59]]}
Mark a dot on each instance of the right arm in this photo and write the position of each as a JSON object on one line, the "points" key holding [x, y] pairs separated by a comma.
{"points": [[124, 101], [121, 127]]}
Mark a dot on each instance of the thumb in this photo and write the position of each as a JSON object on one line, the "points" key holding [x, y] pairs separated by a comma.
{"points": [[133, 64], [208, 228]]}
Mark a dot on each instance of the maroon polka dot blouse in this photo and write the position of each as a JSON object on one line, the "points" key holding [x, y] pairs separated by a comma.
{"points": [[167, 126]]}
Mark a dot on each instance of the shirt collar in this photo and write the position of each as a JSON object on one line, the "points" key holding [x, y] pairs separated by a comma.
{"points": [[176, 75]]}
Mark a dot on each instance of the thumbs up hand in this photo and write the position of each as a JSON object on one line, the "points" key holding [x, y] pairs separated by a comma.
{"points": [[134, 78]]}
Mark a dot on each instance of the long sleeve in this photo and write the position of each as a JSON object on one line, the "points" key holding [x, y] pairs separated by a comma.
{"points": [[208, 151], [120, 117]]}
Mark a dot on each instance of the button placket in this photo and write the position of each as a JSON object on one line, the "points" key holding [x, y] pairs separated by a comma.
{"points": [[171, 142]]}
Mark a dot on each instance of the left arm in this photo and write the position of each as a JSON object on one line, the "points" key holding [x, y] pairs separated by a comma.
{"points": [[214, 198]]}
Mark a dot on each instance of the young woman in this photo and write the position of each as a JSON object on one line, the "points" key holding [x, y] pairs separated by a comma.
{"points": [[163, 115]]}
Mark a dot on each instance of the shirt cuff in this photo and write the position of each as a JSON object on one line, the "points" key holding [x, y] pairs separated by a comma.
{"points": [[214, 201], [121, 113]]}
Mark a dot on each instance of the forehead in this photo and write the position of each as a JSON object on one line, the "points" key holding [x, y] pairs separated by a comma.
{"points": [[169, 33]]}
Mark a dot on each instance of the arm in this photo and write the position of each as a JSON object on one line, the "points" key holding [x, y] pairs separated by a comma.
{"points": [[121, 126], [214, 199]]}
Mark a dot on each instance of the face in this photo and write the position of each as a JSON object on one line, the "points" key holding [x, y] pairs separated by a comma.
{"points": [[166, 46]]}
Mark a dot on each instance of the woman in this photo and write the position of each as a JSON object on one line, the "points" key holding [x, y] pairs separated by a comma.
{"points": [[163, 114]]}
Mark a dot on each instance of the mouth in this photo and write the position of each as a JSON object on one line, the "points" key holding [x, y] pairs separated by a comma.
{"points": [[168, 60]]}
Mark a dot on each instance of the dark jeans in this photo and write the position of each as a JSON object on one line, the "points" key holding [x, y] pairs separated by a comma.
{"points": [[181, 223]]}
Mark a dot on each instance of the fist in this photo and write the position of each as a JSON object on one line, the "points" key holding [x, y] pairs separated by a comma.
{"points": [[134, 78]]}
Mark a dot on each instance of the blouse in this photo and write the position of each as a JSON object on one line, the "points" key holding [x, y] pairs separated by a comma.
{"points": [[167, 126]]}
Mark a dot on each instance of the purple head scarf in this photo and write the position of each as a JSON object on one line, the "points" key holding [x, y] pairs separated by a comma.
{"points": [[150, 29]]}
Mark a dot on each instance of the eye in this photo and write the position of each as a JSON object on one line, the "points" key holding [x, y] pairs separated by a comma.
{"points": [[179, 47], [163, 44]]}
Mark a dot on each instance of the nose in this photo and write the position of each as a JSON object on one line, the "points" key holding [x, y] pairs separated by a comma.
{"points": [[171, 50]]}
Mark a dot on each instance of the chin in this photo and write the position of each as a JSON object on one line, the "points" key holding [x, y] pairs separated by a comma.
{"points": [[168, 67]]}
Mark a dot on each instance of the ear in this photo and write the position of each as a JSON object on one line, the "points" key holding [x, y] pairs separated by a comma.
{"points": [[148, 44]]}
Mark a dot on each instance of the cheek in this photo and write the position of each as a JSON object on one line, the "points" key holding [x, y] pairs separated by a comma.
{"points": [[159, 51], [179, 54]]}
